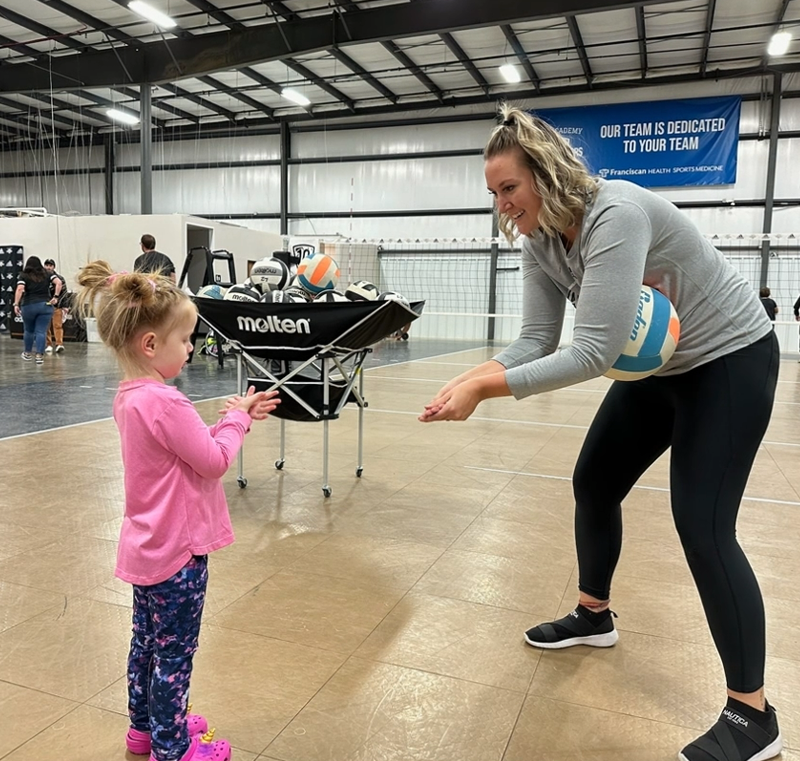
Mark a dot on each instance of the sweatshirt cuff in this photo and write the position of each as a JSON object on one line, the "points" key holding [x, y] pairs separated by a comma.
{"points": [[242, 416], [515, 378]]}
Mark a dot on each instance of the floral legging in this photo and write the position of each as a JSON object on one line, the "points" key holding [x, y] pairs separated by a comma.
{"points": [[166, 627]]}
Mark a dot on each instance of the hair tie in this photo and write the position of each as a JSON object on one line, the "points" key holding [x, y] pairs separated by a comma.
{"points": [[509, 122], [153, 284], [111, 278]]}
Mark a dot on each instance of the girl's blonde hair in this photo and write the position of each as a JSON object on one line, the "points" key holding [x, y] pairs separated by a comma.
{"points": [[561, 179], [124, 303]]}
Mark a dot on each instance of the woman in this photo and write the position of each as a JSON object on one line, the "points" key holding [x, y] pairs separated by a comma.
{"points": [[594, 243], [32, 299]]}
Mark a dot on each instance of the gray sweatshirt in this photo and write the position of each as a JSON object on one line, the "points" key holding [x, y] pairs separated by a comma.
{"points": [[628, 236]]}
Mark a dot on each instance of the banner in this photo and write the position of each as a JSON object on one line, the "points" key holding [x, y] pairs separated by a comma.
{"points": [[657, 143]]}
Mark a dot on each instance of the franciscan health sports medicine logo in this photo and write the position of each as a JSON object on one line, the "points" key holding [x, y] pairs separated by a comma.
{"points": [[273, 324]]}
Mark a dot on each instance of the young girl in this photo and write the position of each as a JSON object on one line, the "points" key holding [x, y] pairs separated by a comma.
{"points": [[175, 509]]}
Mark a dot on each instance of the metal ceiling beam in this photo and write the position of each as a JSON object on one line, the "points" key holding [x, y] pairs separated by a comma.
{"points": [[516, 46], [641, 33], [216, 13], [356, 67], [305, 72], [712, 6], [577, 40], [232, 23], [280, 9], [129, 92], [776, 25], [465, 61], [398, 54], [74, 44], [234, 93], [87, 19], [261, 79], [131, 43], [414, 69], [179, 92], [60, 123], [64, 105], [19, 47], [634, 81], [219, 51]]}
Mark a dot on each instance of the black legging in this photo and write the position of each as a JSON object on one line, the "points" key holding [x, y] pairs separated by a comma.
{"points": [[714, 418]]}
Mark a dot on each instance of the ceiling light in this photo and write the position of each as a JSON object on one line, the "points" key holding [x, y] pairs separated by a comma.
{"points": [[779, 43], [510, 73], [295, 97], [151, 14], [126, 117]]}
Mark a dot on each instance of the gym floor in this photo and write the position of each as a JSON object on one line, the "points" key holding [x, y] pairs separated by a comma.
{"points": [[386, 622]]}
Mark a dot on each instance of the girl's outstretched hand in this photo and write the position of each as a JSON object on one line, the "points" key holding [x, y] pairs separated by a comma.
{"points": [[257, 405]]}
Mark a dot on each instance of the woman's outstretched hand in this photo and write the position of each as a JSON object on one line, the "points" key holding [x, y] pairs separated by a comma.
{"points": [[455, 403]]}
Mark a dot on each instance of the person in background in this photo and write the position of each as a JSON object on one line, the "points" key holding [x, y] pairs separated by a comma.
{"points": [[151, 260], [34, 302], [769, 304], [55, 331]]}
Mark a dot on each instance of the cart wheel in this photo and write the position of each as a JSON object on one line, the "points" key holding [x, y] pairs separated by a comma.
{"points": [[242, 481], [279, 464], [359, 471], [326, 490]]}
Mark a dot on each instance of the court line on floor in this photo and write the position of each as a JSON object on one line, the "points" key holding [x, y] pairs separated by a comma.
{"points": [[642, 488], [526, 422], [555, 391]]}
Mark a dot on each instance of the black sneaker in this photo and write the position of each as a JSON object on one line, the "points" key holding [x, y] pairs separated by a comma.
{"points": [[737, 737], [574, 629]]}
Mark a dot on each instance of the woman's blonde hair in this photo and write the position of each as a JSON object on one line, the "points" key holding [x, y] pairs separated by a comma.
{"points": [[561, 179], [124, 303]]}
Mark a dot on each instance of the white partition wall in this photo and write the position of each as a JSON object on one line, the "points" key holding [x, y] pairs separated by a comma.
{"points": [[73, 241]]}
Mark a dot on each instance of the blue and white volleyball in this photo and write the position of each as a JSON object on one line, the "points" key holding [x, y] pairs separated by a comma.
{"points": [[653, 338], [212, 291], [318, 272]]}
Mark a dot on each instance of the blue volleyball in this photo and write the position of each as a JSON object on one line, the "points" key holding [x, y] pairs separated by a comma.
{"points": [[653, 338]]}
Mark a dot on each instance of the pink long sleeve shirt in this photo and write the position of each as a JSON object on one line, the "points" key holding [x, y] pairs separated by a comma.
{"points": [[175, 505]]}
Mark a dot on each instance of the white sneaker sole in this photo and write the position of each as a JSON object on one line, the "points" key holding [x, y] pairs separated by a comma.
{"points": [[772, 750], [609, 639]]}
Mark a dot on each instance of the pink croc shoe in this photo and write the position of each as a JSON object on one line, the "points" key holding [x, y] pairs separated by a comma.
{"points": [[138, 742], [206, 748]]}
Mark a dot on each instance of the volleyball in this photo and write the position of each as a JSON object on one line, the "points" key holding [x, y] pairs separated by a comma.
{"points": [[301, 293], [318, 272], [212, 291], [289, 296], [362, 290], [652, 340], [269, 275], [330, 296], [394, 296], [242, 293]]}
